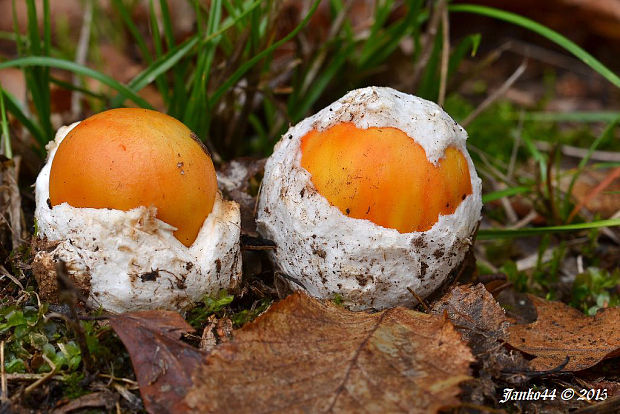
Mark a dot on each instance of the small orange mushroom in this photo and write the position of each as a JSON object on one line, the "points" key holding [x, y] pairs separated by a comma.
{"points": [[382, 175], [128, 157]]}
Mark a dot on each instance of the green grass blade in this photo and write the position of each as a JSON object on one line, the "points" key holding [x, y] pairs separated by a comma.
{"points": [[468, 44], [508, 192], [544, 31], [234, 78], [37, 78], [45, 61], [174, 56], [599, 116], [536, 154], [7, 150], [71, 87], [160, 66], [126, 17], [319, 84], [490, 234], [160, 81], [14, 107]]}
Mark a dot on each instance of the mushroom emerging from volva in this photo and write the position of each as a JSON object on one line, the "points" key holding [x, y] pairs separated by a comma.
{"points": [[128, 200], [370, 199]]}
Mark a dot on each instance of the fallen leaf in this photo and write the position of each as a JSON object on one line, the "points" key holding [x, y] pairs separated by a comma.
{"points": [[303, 355], [476, 315], [162, 363], [480, 319], [216, 331], [561, 331], [105, 399]]}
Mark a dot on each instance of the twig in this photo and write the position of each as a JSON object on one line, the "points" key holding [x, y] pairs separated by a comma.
{"points": [[429, 39], [445, 56], [30, 377], [525, 220], [43, 379], [576, 152], [5, 273], [496, 94], [420, 300], [615, 173], [80, 57], [511, 215], [4, 393], [125, 380]]}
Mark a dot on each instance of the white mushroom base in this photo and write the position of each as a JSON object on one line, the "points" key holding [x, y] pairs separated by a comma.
{"points": [[130, 260], [328, 254]]}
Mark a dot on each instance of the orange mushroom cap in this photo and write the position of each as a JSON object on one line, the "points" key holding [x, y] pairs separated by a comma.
{"points": [[383, 175], [126, 158]]}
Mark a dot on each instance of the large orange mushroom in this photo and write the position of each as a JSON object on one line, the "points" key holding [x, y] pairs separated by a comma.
{"points": [[371, 198], [128, 201], [383, 175], [126, 158]]}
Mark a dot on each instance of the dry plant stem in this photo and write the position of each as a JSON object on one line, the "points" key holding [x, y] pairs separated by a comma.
{"points": [[5, 273], [615, 173], [479, 68], [4, 394], [445, 55], [515, 146], [43, 379], [31, 377], [494, 172], [317, 65], [80, 57], [10, 199], [525, 220], [576, 152], [420, 300], [125, 380], [555, 216], [511, 215], [550, 57], [429, 39], [496, 94]]}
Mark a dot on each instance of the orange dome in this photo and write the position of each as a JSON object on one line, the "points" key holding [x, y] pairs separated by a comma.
{"points": [[128, 157], [382, 175]]}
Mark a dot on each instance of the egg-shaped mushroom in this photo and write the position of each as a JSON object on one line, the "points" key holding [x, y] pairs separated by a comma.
{"points": [[372, 198], [128, 200]]}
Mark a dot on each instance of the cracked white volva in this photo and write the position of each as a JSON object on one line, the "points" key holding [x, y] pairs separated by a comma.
{"points": [[132, 258], [321, 250]]}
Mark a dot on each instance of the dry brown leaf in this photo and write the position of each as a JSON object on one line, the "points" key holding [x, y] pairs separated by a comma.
{"points": [[561, 331], [163, 364], [483, 324], [307, 356], [475, 314]]}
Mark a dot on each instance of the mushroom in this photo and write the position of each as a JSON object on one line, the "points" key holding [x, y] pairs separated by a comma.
{"points": [[128, 200], [373, 197]]}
